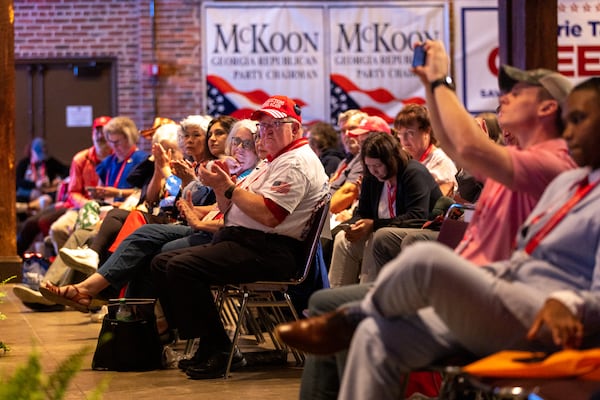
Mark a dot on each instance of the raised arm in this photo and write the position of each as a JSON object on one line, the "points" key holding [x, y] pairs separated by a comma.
{"points": [[162, 170], [455, 128]]}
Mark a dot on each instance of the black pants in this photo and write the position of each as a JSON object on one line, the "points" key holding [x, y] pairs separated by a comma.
{"points": [[237, 255]]}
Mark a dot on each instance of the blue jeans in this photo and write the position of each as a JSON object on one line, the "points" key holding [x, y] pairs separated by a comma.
{"points": [[322, 375], [130, 263], [195, 239]]}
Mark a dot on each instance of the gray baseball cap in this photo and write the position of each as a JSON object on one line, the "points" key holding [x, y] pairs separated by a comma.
{"points": [[556, 84]]}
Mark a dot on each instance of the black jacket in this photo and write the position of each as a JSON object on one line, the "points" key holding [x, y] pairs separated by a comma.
{"points": [[330, 158], [416, 194]]}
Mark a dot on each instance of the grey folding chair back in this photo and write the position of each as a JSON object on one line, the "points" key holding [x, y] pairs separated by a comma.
{"points": [[454, 224]]}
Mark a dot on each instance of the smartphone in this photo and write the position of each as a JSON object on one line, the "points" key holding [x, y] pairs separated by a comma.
{"points": [[91, 190], [419, 56], [345, 226]]}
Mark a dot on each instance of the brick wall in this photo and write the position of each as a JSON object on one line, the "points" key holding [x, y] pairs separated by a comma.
{"points": [[55, 29]]}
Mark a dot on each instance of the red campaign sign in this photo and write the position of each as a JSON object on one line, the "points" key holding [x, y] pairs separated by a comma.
{"points": [[476, 48]]}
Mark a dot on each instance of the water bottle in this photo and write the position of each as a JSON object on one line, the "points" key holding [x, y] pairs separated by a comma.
{"points": [[124, 312]]}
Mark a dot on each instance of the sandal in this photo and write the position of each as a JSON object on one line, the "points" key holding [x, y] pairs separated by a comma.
{"points": [[59, 294]]}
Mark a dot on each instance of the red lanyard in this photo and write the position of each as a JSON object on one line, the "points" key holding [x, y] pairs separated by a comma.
{"points": [[583, 188], [391, 197], [118, 179], [341, 169], [426, 153]]}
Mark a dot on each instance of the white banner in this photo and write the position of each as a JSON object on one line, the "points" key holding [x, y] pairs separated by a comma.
{"points": [[476, 54], [328, 57], [255, 51], [372, 51]]}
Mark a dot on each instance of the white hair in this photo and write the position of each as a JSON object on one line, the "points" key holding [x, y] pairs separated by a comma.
{"points": [[167, 132], [196, 121]]}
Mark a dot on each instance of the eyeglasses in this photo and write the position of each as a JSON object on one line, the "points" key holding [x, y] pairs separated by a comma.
{"points": [[247, 144], [263, 126]]}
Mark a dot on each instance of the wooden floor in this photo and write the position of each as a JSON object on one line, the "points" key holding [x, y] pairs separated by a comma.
{"points": [[55, 335]]}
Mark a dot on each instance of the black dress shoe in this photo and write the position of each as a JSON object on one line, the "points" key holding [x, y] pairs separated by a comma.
{"points": [[198, 358], [216, 365], [324, 334]]}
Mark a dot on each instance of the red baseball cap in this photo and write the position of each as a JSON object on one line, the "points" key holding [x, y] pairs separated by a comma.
{"points": [[370, 124], [278, 107], [100, 121]]}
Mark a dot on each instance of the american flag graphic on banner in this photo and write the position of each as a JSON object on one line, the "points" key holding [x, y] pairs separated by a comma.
{"points": [[224, 99], [346, 95]]}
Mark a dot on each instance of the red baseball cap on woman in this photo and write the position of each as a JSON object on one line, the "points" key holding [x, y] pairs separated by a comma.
{"points": [[370, 124]]}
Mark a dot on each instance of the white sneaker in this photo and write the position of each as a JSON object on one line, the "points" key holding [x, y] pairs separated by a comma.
{"points": [[28, 295], [98, 316], [82, 259]]}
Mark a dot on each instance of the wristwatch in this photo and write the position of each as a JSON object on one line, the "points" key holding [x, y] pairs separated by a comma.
{"points": [[446, 81], [229, 192]]}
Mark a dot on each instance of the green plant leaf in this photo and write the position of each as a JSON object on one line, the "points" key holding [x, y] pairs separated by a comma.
{"points": [[26, 382], [30, 383], [58, 381]]}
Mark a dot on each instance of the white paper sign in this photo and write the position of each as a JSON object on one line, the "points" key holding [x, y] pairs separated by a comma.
{"points": [[79, 116]]}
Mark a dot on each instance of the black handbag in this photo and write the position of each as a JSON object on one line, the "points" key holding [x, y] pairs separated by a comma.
{"points": [[132, 344]]}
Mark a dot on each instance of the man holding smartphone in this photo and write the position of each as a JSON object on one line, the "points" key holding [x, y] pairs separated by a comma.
{"points": [[515, 176]]}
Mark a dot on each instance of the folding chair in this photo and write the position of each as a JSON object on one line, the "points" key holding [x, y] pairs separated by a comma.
{"points": [[566, 374], [266, 296], [455, 223]]}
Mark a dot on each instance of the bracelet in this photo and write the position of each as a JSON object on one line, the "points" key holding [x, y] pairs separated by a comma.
{"points": [[120, 193], [229, 192]]}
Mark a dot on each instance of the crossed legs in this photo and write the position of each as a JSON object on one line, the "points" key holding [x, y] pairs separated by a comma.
{"points": [[426, 304]]}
